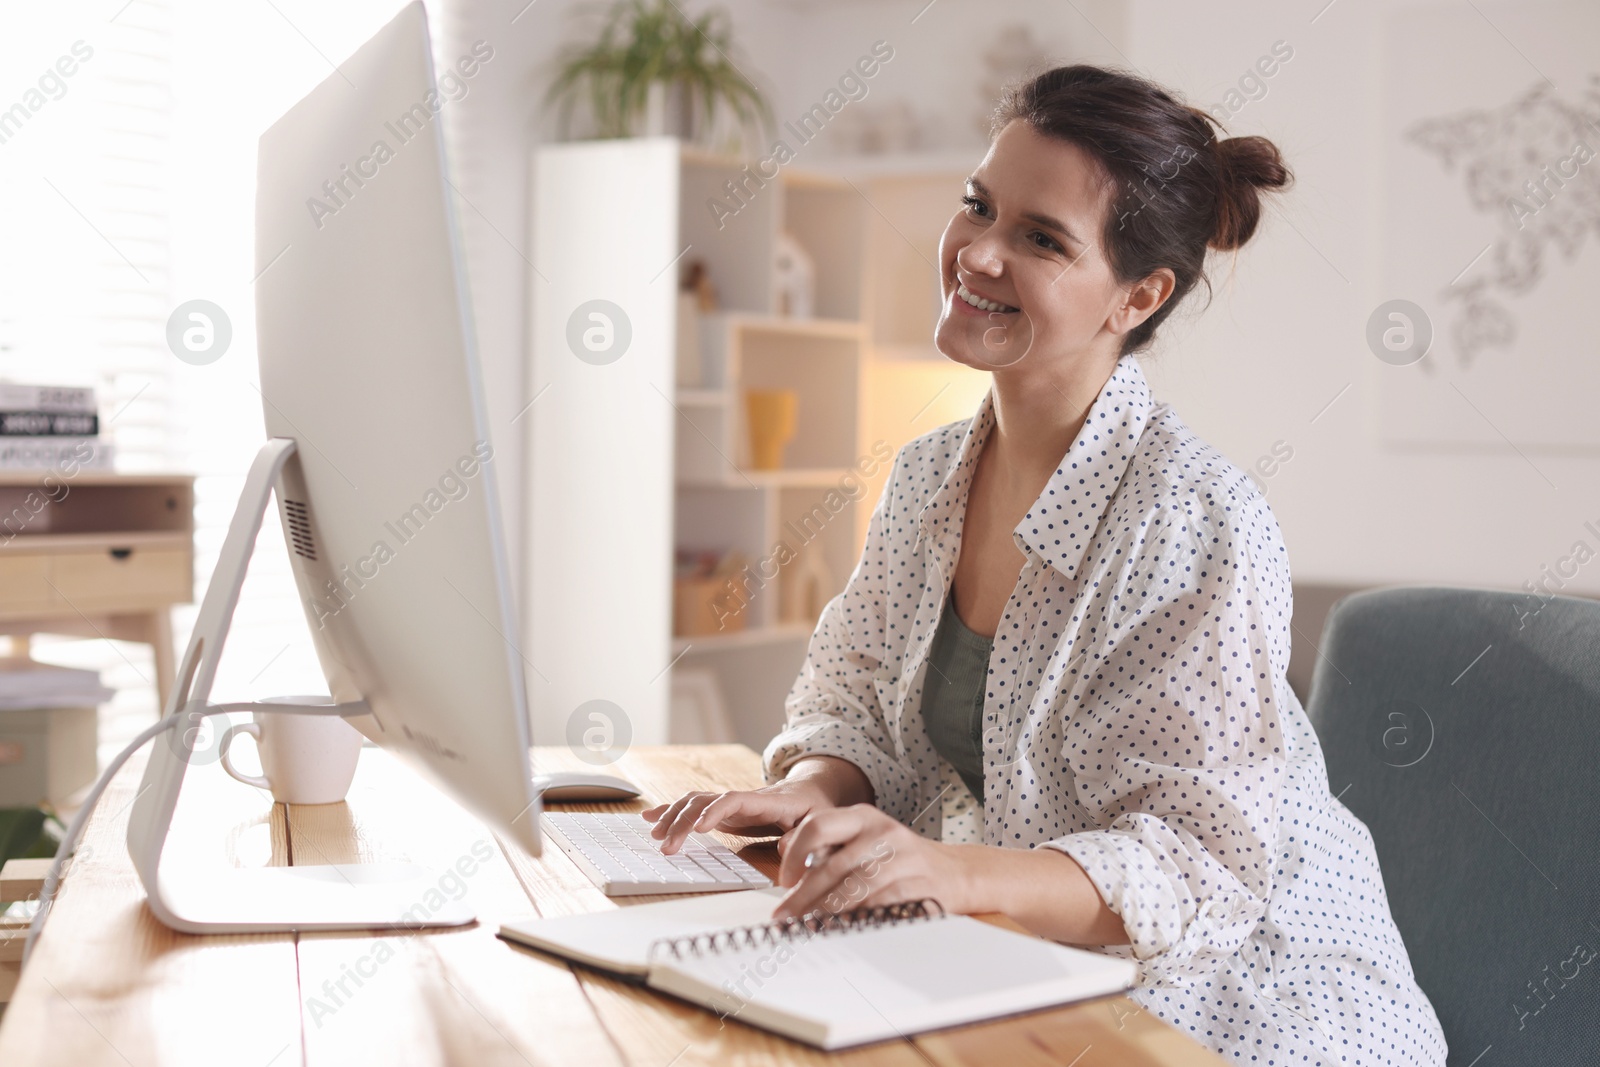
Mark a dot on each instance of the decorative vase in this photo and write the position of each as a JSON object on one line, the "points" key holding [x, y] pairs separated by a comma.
{"points": [[655, 110], [771, 416], [806, 589]]}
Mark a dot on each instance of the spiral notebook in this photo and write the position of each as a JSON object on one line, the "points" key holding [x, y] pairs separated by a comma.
{"points": [[829, 981]]}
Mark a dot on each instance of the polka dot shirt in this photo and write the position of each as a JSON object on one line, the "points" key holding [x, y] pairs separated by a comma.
{"points": [[1137, 717]]}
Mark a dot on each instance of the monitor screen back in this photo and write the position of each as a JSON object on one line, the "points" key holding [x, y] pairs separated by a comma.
{"points": [[367, 362]]}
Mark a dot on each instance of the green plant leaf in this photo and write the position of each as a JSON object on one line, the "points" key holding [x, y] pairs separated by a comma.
{"points": [[644, 42], [21, 832]]}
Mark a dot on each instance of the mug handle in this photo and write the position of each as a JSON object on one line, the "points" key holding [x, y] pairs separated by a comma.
{"points": [[254, 730]]}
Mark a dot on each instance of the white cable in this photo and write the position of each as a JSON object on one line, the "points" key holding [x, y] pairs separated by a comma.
{"points": [[69, 842]]}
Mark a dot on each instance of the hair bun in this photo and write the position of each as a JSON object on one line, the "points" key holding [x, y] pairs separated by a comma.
{"points": [[1245, 166]]}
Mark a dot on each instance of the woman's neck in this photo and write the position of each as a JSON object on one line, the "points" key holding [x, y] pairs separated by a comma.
{"points": [[1038, 414]]}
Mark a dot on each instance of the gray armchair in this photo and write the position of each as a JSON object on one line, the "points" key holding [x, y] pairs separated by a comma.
{"points": [[1463, 726]]}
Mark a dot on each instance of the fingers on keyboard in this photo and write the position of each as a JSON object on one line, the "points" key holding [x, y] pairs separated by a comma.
{"points": [[621, 850]]}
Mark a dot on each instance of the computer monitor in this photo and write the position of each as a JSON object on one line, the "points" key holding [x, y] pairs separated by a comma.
{"points": [[382, 461]]}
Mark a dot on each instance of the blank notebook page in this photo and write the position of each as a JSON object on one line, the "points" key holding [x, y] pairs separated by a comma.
{"points": [[874, 983]]}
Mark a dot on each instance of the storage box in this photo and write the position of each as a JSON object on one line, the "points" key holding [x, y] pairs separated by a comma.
{"points": [[46, 755], [705, 606]]}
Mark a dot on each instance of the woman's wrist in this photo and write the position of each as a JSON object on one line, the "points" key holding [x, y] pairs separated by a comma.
{"points": [[973, 889], [836, 782], [1044, 889]]}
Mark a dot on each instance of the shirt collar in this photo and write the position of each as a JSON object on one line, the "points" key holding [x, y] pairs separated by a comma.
{"points": [[1059, 525]]}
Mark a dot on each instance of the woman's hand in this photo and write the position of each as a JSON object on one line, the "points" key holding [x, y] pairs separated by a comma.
{"points": [[857, 856], [813, 784], [860, 857], [774, 809]]}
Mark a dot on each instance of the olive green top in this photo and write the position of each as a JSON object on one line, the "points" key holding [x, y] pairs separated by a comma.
{"points": [[952, 695]]}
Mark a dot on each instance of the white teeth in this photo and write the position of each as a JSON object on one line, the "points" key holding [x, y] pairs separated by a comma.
{"points": [[979, 302]]}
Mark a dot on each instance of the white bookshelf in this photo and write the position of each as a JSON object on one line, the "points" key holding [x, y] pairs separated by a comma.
{"points": [[633, 443], [806, 513]]}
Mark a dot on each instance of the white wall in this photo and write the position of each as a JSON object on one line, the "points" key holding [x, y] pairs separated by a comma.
{"points": [[1286, 331], [941, 50], [488, 136]]}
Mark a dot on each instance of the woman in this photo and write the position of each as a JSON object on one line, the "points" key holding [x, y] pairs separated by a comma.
{"points": [[1055, 685]]}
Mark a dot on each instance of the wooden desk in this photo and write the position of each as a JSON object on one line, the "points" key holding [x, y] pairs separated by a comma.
{"points": [[110, 985]]}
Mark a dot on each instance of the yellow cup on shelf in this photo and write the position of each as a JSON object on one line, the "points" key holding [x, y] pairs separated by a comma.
{"points": [[771, 416]]}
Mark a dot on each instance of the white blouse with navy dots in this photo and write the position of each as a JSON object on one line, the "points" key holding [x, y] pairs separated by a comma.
{"points": [[1138, 718]]}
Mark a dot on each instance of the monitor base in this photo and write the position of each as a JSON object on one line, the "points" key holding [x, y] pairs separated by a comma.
{"points": [[346, 896], [335, 897]]}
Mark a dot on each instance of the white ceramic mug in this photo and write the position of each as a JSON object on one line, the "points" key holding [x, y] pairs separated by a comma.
{"points": [[305, 759]]}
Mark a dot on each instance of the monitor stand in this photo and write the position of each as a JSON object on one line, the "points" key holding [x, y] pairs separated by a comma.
{"points": [[244, 900]]}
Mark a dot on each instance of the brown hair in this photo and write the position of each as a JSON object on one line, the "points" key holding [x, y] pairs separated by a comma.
{"points": [[1178, 188]]}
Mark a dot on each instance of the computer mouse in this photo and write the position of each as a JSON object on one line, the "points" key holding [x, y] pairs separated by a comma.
{"points": [[562, 786]]}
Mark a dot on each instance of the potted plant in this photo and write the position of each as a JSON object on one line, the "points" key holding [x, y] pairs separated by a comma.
{"points": [[28, 833], [653, 70]]}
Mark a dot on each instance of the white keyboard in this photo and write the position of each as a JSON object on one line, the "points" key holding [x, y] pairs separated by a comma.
{"points": [[618, 854]]}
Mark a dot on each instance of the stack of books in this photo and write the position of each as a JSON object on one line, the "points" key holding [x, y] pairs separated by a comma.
{"points": [[27, 683], [50, 427]]}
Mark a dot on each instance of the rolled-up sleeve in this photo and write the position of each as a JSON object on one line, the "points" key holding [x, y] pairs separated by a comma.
{"points": [[836, 706], [1176, 745]]}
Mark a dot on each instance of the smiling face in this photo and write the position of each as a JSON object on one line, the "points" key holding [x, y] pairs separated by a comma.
{"points": [[1024, 275]]}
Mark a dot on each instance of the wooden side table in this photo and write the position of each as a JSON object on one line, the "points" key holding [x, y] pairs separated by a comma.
{"points": [[97, 554]]}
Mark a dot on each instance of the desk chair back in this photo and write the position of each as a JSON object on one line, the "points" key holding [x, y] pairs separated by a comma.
{"points": [[1463, 727]]}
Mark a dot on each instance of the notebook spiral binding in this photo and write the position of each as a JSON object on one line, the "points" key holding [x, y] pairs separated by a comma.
{"points": [[804, 927]]}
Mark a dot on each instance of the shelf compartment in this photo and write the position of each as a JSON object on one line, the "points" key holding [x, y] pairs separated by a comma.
{"points": [[77, 505], [820, 359], [729, 243], [724, 336], [704, 442], [825, 373], [723, 521], [817, 525], [826, 218]]}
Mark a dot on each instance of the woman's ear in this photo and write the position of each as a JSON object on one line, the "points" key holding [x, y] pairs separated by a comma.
{"points": [[1141, 300]]}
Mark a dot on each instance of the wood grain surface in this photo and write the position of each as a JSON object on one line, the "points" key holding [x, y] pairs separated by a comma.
{"points": [[110, 985]]}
